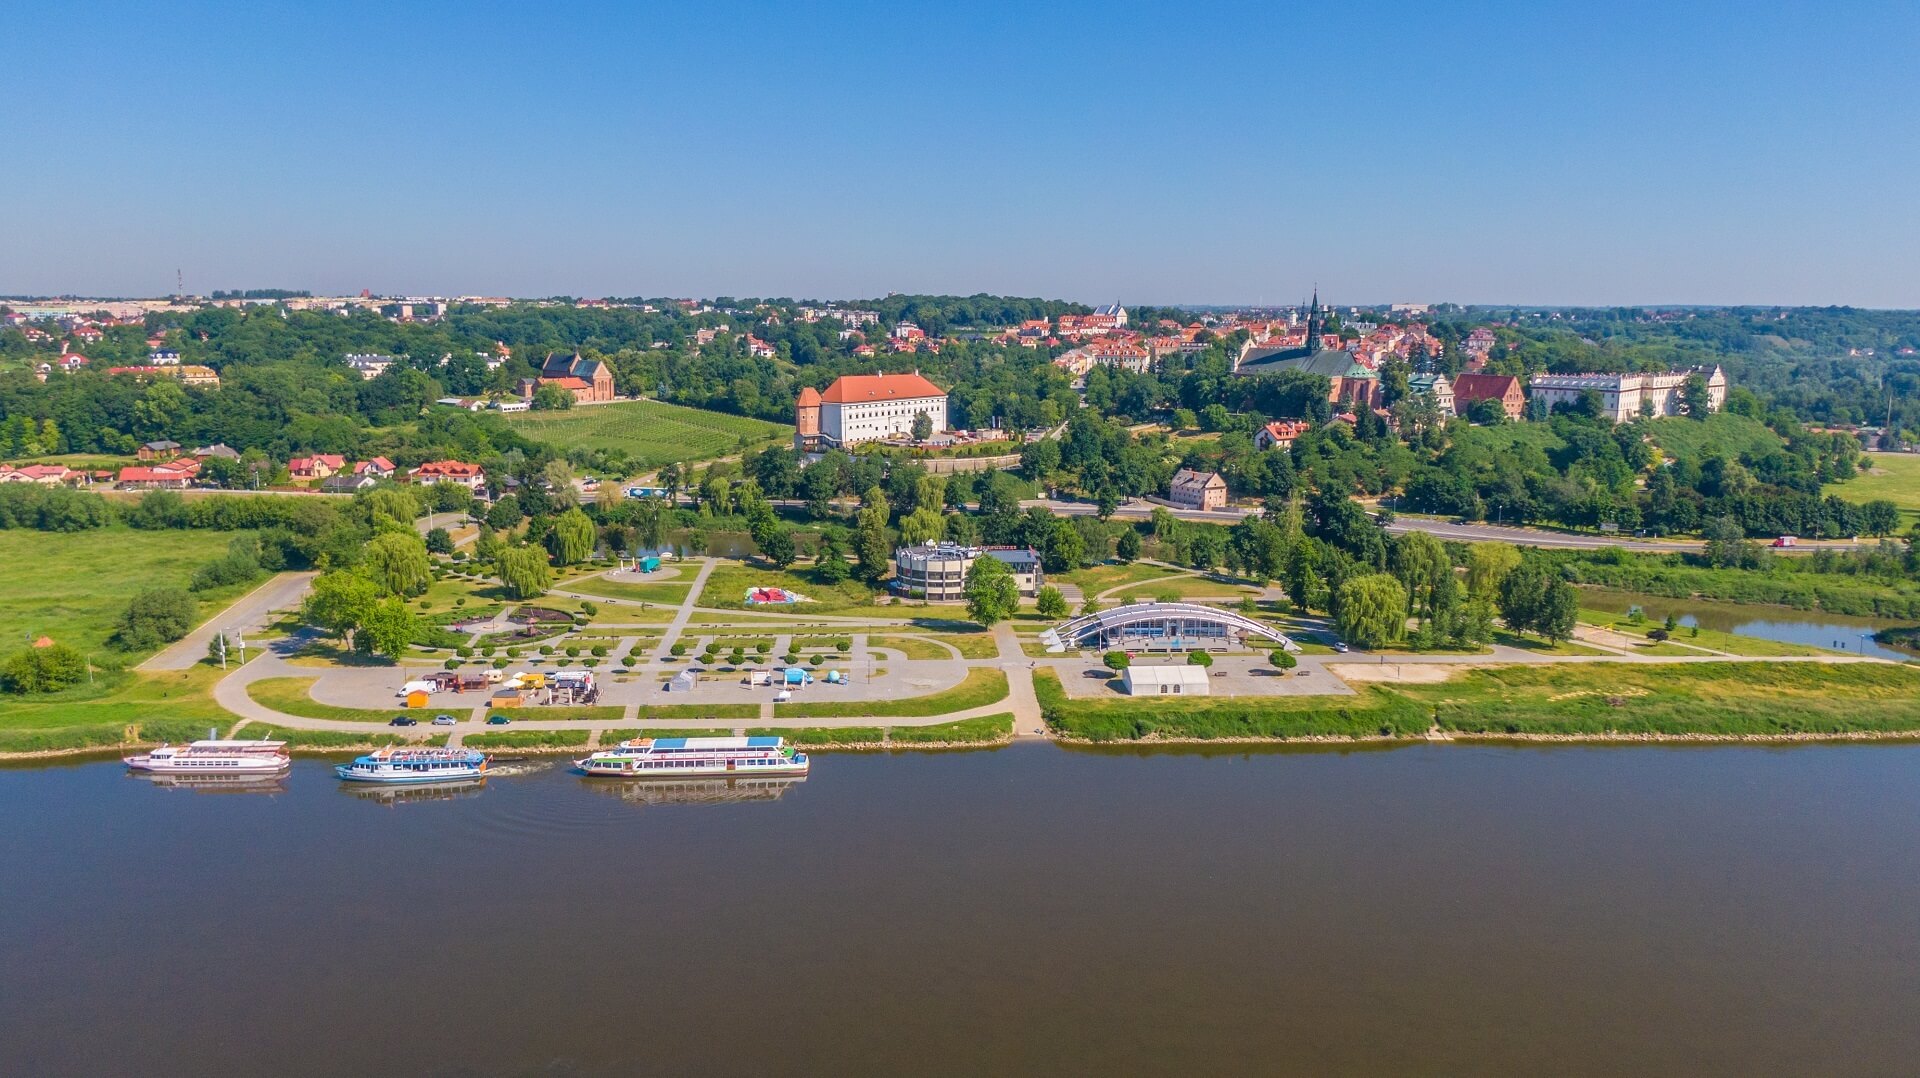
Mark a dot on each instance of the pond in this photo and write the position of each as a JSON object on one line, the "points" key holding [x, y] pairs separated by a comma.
{"points": [[1840, 632]]}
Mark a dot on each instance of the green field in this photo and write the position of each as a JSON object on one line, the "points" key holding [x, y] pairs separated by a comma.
{"points": [[650, 432], [673, 593], [73, 585], [1895, 477], [985, 729], [1755, 698], [138, 708], [727, 587]]}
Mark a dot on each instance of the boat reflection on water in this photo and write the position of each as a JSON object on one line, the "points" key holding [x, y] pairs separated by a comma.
{"points": [[205, 783], [450, 790], [693, 791]]}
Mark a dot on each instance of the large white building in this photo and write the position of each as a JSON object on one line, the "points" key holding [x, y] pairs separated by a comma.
{"points": [[1625, 396], [866, 407]]}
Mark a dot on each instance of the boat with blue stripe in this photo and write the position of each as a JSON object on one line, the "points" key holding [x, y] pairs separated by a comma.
{"points": [[687, 757], [414, 765]]}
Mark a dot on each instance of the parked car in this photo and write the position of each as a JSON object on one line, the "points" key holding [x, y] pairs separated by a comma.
{"points": [[1340, 646], [444, 720], [497, 720], [404, 720]]}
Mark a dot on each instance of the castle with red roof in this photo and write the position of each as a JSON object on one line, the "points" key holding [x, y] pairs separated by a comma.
{"points": [[864, 408]]}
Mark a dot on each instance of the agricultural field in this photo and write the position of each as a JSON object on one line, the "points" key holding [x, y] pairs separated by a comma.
{"points": [[1894, 476], [650, 432]]}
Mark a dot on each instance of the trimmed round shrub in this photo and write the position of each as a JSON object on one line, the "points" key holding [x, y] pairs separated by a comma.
{"points": [[843, 646], [679, 647], [762, 648], [513, 653], [452, 664], [573, 651], [599, 651], [817, 659], [463, 651], [461, 601], [546, 649], [588, 608], [488, 650], [500, 663], [789, 658]]}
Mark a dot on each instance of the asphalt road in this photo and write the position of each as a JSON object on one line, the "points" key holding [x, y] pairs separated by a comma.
{"points": [[1443, 529], [248, 614]]}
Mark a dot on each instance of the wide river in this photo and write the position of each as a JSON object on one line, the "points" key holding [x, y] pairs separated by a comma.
{"points": [[1425, 910]]}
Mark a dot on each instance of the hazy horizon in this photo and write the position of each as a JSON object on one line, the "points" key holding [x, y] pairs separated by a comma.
{"points": [[1545, 154]]}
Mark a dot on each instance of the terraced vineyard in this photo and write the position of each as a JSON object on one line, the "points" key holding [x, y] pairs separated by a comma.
{"points": [[649, 431]]}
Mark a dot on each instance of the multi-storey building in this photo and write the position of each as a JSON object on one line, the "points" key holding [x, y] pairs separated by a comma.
{"points": [[1628, 396], [866, 407]]}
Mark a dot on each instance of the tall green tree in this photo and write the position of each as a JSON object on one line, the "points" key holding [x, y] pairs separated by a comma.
{"points": [[1373, 609], [339, 601], [1050, 603], [1487, 565], [572, 538], [523, 571], [388, 629], [397, 561], [992, 593]]}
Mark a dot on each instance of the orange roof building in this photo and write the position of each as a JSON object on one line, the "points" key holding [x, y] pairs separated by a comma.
{"points": [[867, 407]]}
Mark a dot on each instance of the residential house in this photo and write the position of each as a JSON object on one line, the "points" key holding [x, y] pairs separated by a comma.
{"points": [[1280, 434], [158, 450], [318, 466], [1197, 490], [139, 478], [346, 484], [377, 468], [1117, 352], [370, 365], [217, 449], [46, 475], [1505, 388], [467, 475]]}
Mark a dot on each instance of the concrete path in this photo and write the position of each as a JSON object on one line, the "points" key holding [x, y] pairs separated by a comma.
{"points": [[248, 614]]}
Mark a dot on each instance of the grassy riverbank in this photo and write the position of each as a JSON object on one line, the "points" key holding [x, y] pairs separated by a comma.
{"points": [[1372, 712], [1721, 699], [1678, 699]]}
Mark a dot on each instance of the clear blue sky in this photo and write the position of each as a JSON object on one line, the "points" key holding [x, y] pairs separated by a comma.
{"points": [[1490, 152]]}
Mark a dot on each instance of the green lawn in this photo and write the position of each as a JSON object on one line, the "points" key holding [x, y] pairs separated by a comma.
{"points": [[729, 582], [699, 711], [650, 432], [1102, 577], [1676, 698], [1895, 477], [912, 647], [73, 585], [670, 592], [330, 739], [135, 708], [807, 737], [1373, 712], [529, 739], [985, 729], [292, 696], [1181, 588], [982, 686]]}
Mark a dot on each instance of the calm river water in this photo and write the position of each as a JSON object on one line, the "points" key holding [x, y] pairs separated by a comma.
{"points": [[1432, 909]]}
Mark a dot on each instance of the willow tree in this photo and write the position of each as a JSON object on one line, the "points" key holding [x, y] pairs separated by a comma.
{"points": [[523, 571], [572, 538], [1373, 609]]}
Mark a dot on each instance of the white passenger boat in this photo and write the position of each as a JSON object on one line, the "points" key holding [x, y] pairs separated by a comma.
{"points": [[680, 757], [414, 765], [214, 757]]}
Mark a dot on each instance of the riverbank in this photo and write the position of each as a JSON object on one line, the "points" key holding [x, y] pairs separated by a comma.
{"points": [[1758, 701]]}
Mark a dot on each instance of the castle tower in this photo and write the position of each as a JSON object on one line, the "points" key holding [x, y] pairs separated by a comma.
{"points": [[806, 419]]}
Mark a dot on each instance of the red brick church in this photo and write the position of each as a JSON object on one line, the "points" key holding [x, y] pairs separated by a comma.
{"points": [[588, 380]]}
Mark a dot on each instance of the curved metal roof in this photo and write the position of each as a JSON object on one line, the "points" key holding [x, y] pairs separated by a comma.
{"points": [[1141, 613]]}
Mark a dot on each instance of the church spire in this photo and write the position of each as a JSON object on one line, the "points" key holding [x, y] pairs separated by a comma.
{"points": [[1315, 322]]}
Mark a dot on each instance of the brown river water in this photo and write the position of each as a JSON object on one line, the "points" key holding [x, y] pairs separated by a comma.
{"points": [[1484, 910]]}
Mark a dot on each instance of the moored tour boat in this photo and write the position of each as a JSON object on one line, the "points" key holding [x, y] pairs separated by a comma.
{"points": [[679, 757], [414, 765], [214, 757]]}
